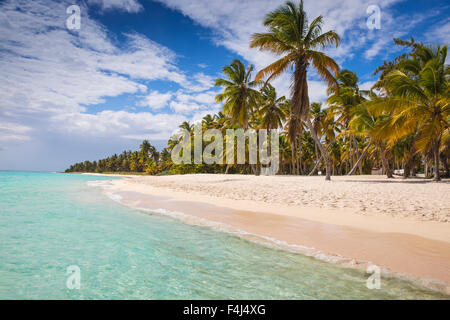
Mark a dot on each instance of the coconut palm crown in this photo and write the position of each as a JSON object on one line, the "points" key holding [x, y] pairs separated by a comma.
{"points": [[298, 42], [239, 96]]}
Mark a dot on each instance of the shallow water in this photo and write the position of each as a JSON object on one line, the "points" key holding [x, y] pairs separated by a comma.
{"points": [[51, 221]]}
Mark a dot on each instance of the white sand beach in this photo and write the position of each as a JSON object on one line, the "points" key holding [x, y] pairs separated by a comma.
{"points": [[400, 225]]}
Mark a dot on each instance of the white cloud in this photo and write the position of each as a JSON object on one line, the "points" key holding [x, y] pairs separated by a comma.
{"points": [[317, 91], [120, 124], [44, 65], [207, 97], [49, 72], [440, 33], [197, 116], [376, 47], [51, 77], [134, 62], [184, 107], [131, 6], [236, 20], [156, 100], [201, 82], [367, 85], [10, 131]]}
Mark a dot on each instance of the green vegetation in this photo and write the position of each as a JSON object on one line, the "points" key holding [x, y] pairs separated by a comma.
{"points": [[147, 160], [401, 123]]}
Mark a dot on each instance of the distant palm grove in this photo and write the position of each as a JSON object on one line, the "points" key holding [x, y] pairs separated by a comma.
{"points": [[401, 123]]}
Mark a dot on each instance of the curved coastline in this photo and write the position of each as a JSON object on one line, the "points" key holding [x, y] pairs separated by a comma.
{"points": [[411, 257]]}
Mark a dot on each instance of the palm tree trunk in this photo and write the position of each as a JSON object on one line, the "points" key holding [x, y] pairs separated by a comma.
{"points": [[352, 154], [328, 169], [355, 146], [444, 161], [413, 166], [409, 164], [314, 169], [295, 157], [292, 160], [385, 164], [297, 161], [300, 170], [324, 152], [406, 170], [436, 144], [360, 159], [316, 152]]}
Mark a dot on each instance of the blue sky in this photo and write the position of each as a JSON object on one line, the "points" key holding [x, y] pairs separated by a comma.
{"points": [[137, 68]]}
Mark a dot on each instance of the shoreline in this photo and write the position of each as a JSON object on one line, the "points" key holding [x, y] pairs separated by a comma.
{"points": [[416, 250]]}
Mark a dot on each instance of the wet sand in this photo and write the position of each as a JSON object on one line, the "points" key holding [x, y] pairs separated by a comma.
{"points": [[412, 248], [414, 198]]}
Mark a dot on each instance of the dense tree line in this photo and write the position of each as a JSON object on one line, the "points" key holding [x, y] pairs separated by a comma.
{"points": [[146, 160], [402, 122]]}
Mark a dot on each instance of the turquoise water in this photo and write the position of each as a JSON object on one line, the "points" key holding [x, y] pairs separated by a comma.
{"points": [[51, 221]]}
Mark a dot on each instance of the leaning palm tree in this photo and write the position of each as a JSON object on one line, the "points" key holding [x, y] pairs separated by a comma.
{"points": [[290, 35], [324, 126], [371, 127], [343, 103]]}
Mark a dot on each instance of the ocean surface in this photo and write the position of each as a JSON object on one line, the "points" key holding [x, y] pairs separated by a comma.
{"points": [[50, 222]]}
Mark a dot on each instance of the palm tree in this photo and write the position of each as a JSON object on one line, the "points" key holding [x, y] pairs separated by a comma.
{"points": [[145, 147], [324, 126], [418, 97], [343, 103], [445, 151], [239, 96], [317, 115], [186, 126], [271, 111], [371, 126], [290, 35], [154, 154], [223, 121], [291, 121], [209, 122], [285, 152]]}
